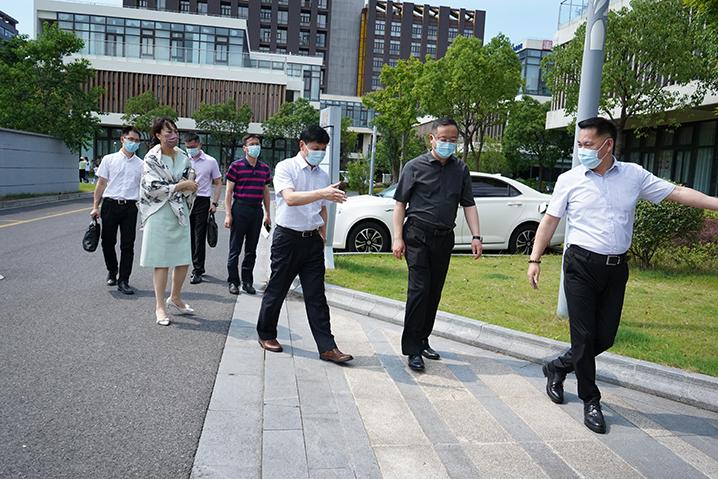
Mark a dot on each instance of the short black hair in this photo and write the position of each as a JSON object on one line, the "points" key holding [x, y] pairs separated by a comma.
{"points": [[249, 136], [445, 121], [130, 128], [191, 136], [316, 134], [602, 126]]}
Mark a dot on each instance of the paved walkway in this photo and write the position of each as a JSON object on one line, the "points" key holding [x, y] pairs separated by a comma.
{"points": [[472, 414]]}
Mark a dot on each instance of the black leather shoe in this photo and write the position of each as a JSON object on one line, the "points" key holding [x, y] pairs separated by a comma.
{"points": [[593, 417], [416, 362], [195, 279], [111, 279], [554, 382], [248, 288], [429, 353], [233, 288], [124, 287]]}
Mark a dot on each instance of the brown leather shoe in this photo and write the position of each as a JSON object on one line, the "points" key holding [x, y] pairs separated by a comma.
{"points": [[335, 356], [270, 345]]}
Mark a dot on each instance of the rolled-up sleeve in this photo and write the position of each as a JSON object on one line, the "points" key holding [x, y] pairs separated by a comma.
{"points": [[559, 200], [405, 184], [654, 189], [467, 193]]}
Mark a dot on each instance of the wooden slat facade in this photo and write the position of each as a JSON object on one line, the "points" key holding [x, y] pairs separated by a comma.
{"points": [[185, 94]]}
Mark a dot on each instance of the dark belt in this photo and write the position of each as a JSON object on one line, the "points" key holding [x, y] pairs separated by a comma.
{"points": [[302, 234], [120, 202], [248, 205], [428, 227], [604, 259]]}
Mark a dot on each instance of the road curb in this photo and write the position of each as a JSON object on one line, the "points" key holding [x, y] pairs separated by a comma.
{"points": [[41, 200], [672, 383]]}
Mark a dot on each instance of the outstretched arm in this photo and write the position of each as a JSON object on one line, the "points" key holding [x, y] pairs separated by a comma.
{"points": [[690, 197]]}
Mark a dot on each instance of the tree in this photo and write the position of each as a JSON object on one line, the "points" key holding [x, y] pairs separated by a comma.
{"points": [[358, 176], [142, 110], [389, 151], [225, 122], [659, 57], [526, 140], [291, 119], [493, 159], [397, 106], [709, 8], [44, 93], [474, 84], [348, 139]]}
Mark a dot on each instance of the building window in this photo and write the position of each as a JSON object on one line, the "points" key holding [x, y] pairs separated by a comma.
{"points": [[281, 35], [265, 14], [202, 8], [378, 64], [416, 49], [221, 49], [453, 33], [142, 4], [265, 34], [431, 32], [282, 17], [161, 4], [431, 49], [321, 40], [305, 18], [322, 20], [322, 3], [243, 12], [375, 82], [378, 46], [177, 50], [416, 31], [147, 44], [225, 9], [394, 47], [184, 6], [304, 38], [468, 33], [395, 29]]}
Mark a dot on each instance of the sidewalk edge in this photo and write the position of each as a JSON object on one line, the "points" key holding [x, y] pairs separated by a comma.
{"points": [[672, 383], [42, 200]]}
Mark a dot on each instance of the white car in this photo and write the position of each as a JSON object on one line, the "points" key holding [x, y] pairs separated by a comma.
{"points": [[509, 213]]}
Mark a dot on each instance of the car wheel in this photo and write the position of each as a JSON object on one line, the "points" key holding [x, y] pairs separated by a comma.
{"points": [[522, 239], [368, 237]]}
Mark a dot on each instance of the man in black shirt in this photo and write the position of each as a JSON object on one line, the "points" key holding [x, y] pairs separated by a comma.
{"points": [[433, 185]]}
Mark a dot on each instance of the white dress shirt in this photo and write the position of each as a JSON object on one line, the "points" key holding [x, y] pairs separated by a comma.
{"points": [[123, 176], [601, 209], [296, 173]]}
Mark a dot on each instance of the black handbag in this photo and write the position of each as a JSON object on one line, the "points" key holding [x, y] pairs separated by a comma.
{"points": [[212, 231], [92, 236]]}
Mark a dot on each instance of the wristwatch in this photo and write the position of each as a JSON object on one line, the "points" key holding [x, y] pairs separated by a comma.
{"points": [[215, 204], [478, 238]]}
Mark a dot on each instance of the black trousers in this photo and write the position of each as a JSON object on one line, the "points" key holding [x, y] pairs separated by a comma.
{"points": [[198, 237], [122, 216], [294, 255], [594, 295], [428, 253], [246, 224]]}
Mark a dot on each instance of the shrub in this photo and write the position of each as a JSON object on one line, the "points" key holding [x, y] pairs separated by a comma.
{"points": [[358, 176], [701, 257], [660, 225]]}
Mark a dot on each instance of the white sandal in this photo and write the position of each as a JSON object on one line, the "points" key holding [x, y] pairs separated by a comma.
{"points": [[179, 310], [162, 321]]}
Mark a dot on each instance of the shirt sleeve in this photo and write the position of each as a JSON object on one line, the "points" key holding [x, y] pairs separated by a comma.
{"points": [[559, 200], [215, 171], [654, 189], [231, 174], [103, 171], [467, 192], [405, 184], [269, 176], [282, 179]]}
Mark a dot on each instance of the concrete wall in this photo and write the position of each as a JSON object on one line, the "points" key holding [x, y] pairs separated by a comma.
{"points": [[33, 163], [343, 55]]}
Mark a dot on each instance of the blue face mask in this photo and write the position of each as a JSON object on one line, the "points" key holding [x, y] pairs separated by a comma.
{"points": [[192, 152], [130, 146], [254, 150], [314, 157], [444, 148], [589, 157]]}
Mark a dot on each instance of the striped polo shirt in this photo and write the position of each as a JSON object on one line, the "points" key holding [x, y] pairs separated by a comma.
{"points": [[249, 182]]}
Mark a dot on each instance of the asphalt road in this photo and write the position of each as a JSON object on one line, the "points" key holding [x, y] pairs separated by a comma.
{"points": [[90, 386]]}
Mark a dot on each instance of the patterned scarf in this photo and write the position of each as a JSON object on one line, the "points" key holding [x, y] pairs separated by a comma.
{"points": [[158, 187]]}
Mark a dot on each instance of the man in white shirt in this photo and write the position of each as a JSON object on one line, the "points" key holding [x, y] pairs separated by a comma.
{"points": [[303, 191], [599, 198], [118, 187]]}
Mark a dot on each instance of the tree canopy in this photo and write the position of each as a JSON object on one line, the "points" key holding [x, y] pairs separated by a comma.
{"points": [[291, 119], [142, 110], [225, 122]]}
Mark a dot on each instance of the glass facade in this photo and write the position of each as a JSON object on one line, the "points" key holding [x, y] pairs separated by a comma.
{"points": [[687, 155], [571, 10], [177, 42], [360, 115], [531, 71]]}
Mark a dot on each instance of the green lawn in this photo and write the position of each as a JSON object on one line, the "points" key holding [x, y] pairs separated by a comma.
{"points": [[668, 318], [85, 187]]}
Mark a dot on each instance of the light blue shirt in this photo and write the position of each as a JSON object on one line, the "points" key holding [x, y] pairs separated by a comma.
{"points": [[296, 173], [600, 210]]}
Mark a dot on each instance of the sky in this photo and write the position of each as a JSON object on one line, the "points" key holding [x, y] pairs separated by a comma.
{"points": [[518, 19]]}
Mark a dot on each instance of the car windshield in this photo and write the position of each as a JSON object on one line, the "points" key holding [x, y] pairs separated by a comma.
{"points": [[388, 192]]}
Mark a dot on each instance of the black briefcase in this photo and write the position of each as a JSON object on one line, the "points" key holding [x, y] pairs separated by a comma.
{"points": [[92, 236], [212, 231]]}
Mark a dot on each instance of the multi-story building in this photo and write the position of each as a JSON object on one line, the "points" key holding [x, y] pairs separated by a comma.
{"points": [[530, 53], [687, 154], [8, 26], [393, 31], [185, 60]]}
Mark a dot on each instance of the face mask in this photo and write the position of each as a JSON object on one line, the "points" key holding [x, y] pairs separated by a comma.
{"points": [[254, 150], [172, 140], [130, 146], [589, 158], [314, 157], [444, 148], [192, 152]]}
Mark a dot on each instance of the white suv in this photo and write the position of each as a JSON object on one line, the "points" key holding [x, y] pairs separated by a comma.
{"points": [[509, 212]]}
